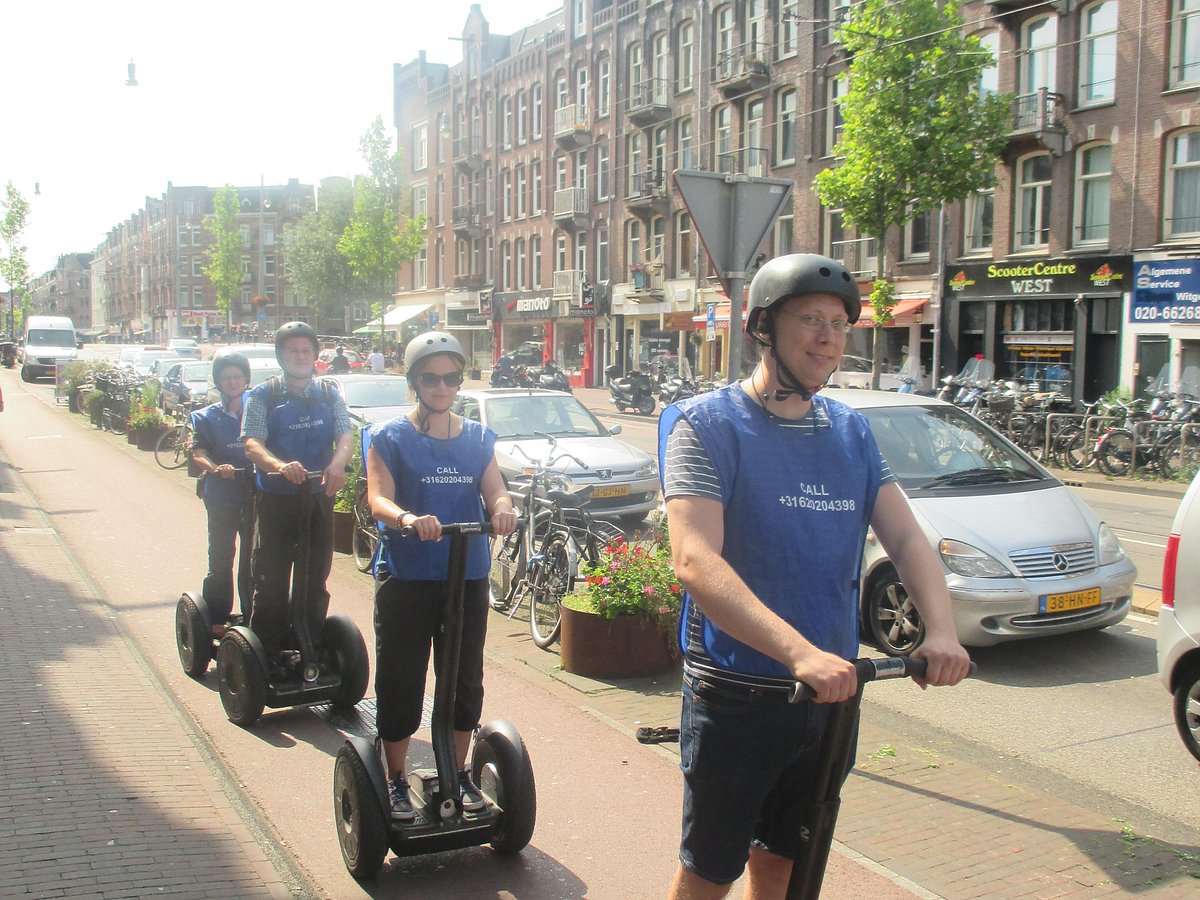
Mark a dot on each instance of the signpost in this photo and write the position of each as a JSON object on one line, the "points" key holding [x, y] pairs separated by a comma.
{"points": [[732, 214]]}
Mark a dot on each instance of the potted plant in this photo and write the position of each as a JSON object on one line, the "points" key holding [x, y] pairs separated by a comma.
{"points": [[146, 422], [343, 503], [620, 621], [76, 376], [93, 404]]}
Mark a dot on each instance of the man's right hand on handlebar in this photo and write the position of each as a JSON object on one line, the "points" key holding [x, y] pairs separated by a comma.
{"points": [[293, 471], [831, 678]]}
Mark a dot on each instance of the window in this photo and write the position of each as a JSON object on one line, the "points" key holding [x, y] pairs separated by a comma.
{"points": [[1185, 42], [784, 235], [421, 270], [245, 230], [268, 235], [756, 27], [603, 88], [684, 251], [754, 143], [835, 90], [560, 252], [560, 172], [487, 189], [1033, 202], [581, 169], [637, 71], [420, 200], [602, 253], [522, 116], [785, 127], [185, 235], [506, 195], [1183, 185], [439, 199], [505, 266], [980, 213], [506, 122], [683, 145], [1092, 192], [183, 298], [520, 243], [560, 91], [488, 247], [1036, 57], [722, 36], [723, 131], [660, 66], [989, 76], [580, 18], [245, 301], [535, 180], [658, 239], [916, 236], [439, 264], [635, 157], [633, 244], [420, 139], [658, 153], [537, 110], [535, 260], [581, 251], [245, 268], [1098, 53], [837, 15], [198, 266], [602, 172], [685, 61], [269, 265], [522, 192], [581, 88], [789, 29]]}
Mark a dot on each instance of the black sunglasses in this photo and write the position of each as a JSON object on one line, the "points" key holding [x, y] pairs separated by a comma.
{"points": [[450, 379]]}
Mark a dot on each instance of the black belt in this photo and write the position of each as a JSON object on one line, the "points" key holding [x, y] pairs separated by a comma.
{"points": [[737, 681]]}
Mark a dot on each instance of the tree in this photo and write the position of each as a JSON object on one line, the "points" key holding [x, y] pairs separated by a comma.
{"points": [[374, 243], [224, 267], [319, 272], [917, 132], [14, 268]]}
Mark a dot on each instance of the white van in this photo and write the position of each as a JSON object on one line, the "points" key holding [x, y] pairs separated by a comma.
{"points": [[48, 340], [1179, 619]]}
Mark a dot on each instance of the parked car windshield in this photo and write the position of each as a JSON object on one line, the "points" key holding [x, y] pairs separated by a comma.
{"points": [[528, 416], [932, 447], [372, 392], [196, 372]]}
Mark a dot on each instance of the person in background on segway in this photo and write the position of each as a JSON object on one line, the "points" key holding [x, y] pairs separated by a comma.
{"points": [[228, 499], [293, 425], [339, 365], [425, 468], [769, 492]]}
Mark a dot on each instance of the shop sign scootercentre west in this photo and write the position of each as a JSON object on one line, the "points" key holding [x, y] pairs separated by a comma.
{"points": [[1166, 290], [1039, 278]]}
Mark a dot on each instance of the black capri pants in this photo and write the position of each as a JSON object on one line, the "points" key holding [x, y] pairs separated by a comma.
{"points": [[406, 618]]}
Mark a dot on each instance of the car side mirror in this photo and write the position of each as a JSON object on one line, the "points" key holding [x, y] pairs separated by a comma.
{"points": [[79, 345], [614, 429]]}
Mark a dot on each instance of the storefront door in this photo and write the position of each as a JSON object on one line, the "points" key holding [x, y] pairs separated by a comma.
{"points": [[1153, 352]]}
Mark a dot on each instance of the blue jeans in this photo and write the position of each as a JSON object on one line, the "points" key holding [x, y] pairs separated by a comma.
{"points": [[749, 761]]}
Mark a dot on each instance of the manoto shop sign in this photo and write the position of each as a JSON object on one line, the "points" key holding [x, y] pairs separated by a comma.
{"points": [[1166, 290], [1038, 278]]}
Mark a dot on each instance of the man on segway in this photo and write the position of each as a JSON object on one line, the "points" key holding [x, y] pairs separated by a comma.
{"points": [[294, 425], [228, 499], [769, 492]]}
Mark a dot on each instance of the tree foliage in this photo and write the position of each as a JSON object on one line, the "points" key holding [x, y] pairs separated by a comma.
{"points": [[374, 242], [14, 268], [224, 267], [315, 266], [916, 131]]}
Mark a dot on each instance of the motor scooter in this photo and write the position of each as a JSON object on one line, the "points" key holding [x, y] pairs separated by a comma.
{"points": [[551, 378], [679, 386], [634, 392]]}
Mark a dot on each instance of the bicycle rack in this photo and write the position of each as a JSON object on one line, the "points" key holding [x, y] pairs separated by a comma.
{"points": [[1052, 430]]}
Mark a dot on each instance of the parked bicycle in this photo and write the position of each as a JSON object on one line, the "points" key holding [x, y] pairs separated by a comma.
{"points": [[538, 563], [365, 542], [174, 447], [119, 389]]}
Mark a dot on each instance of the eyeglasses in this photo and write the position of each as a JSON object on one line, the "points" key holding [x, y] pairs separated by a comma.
{"points": [[810, 322], [431, 379]]}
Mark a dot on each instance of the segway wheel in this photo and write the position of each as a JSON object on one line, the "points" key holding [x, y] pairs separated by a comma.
{"points": [[362, 831], [193, 637], [240, 679], [503, 772], [345, 643]]}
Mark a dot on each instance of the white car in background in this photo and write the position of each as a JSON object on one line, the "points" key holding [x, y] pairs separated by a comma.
{"points": [[185, 347], [1179, 619], [373, 398], [855, 372]]}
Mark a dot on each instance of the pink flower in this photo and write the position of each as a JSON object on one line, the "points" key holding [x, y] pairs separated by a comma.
{"points": [[614, 566], [662, 611], [648, 590], [606, 580]]}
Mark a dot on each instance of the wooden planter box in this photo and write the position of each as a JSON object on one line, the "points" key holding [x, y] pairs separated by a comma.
{"points": [[147, 438], [343, 531], [624, 647]]}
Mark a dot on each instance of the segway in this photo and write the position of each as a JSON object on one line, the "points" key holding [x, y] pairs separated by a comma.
{"points": [[499, 764], [248, 680], [820, 814]]}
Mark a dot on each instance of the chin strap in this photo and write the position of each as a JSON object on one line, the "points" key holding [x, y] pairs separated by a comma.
{"points": [[791, 384]]}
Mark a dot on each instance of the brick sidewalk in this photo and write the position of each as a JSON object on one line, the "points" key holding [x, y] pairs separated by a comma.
{"points": [[106, 794]]}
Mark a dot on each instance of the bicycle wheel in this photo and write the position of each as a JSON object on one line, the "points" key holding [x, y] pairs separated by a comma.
{"points": [[1075, 451], [116, 419], [366, 533], [170, 452], [1114, 455], [506, 554], [549, 580], [600, 535], [1175, 460]]}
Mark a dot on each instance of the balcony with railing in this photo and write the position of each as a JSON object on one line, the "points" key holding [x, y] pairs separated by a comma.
{"points": [[647, 280], [742, 68], [467, 152], [568, 285], [647, 192], [571, 125], [467, 219], [1040, 116], [649, 102], [572, 207], [859, 256], [747, 161]]}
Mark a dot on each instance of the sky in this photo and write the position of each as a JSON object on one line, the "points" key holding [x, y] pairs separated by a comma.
{"points": [[228, 92]]}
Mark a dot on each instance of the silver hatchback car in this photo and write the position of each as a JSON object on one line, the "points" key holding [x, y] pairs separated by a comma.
{"points": [[1179, 619], [1023, 555]]}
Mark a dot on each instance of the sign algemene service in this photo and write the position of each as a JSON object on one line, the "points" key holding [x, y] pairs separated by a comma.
{"points": [[1166, 290]]}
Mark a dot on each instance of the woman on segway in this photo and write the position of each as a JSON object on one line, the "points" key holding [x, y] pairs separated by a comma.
{"points": [[228, 498], [429, 467]]}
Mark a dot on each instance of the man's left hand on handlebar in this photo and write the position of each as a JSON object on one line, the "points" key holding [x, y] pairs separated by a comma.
{"points": [[335, 477], [504, 521], [948, 662]]}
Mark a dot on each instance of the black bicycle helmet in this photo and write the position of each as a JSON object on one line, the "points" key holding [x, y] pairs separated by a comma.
{"points": [[291, 330], [430, 344], [223, 359], [798, 274]]}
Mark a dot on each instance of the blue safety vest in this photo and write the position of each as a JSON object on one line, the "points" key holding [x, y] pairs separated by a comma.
{"points": [[796, 509], [219, 433], [299, 427]]}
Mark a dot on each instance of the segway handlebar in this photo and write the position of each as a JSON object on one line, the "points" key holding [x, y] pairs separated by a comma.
{"points": [[454, 528], [873, 670]]}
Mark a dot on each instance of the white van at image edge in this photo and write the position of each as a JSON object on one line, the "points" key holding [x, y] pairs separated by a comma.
{"points": [[48, 339]]}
